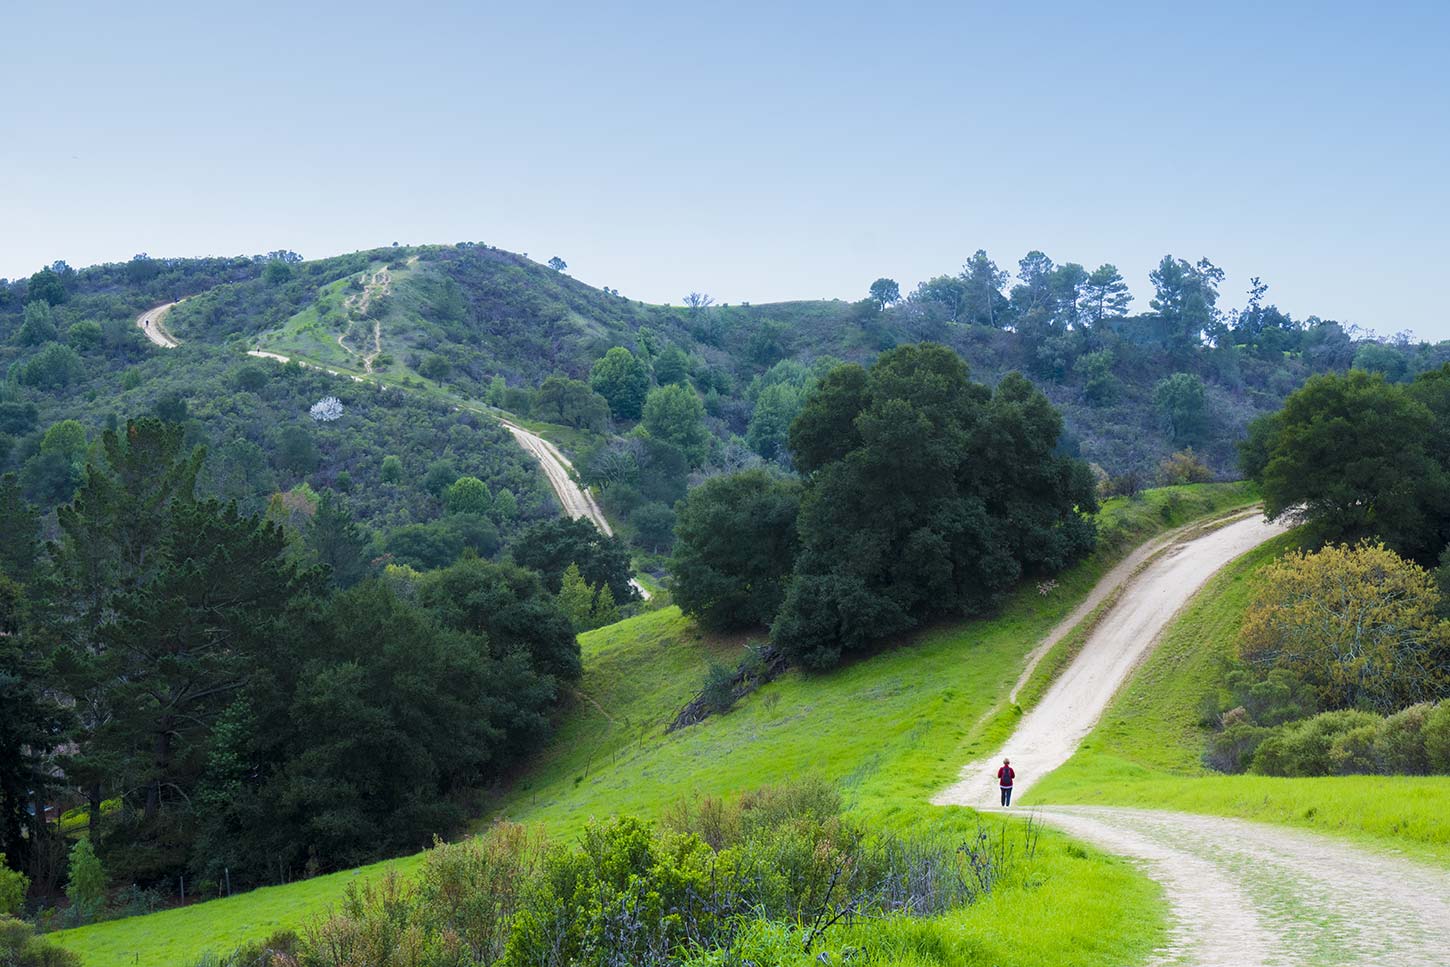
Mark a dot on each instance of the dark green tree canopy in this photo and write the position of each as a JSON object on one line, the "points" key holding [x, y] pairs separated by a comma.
{"points": [[736, 546], [927, 493], [550, 546], [622, 379]]}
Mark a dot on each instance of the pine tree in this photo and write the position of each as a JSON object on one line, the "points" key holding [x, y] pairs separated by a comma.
{"points": [[86, 881], [576, 598], [605, 612]]}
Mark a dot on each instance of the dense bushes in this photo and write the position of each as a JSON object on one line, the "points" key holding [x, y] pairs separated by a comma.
{"points": [[1414, 741], [695, 889]]}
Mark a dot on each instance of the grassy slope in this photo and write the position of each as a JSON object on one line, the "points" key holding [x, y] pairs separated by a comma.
{"points": [[893, 728], [1147, 749]]}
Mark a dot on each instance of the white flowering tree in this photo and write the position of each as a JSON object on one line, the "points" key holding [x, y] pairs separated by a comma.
{"points": [[327, 409]]}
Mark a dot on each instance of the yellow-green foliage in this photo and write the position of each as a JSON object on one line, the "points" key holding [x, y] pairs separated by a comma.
{"points": [[1358, 624]]}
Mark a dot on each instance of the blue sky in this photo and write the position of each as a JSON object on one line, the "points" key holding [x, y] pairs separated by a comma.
{"points": [[753, 151]]}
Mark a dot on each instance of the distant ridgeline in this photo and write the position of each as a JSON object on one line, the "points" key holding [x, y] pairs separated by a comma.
{"points": [[691, 389]]}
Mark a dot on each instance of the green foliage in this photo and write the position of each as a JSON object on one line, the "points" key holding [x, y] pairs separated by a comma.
{"points": [[1361, 458], [38, 325], [587, 607], [736, 548], [54, 367], [885, 292], [85, 881], [550, 547], [654, 527], [927, 494], [469, 495], [19, 947], [572, 403], [1181, 401], [674, 414], [13, 887], [1183, 467], [672, 365], [1328, 744], [623, 380]]}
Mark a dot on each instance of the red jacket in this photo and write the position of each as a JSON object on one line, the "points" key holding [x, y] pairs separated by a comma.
{"points": [[1005, 775]]}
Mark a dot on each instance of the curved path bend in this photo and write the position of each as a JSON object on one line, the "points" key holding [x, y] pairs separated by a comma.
{"points": [[1240, 894], [574, 499], [149, 322]]}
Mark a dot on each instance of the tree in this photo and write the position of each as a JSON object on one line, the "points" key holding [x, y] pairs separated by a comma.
{"points": [[558, 264], [622, 379], [338, 543], [735, 548], [926, 494], [654, 527], [1350, 454], [46, 286], [672, 365], [1104, 295], [576, 598], [19, 530], [550, 546], [1357, 624], [982, 299], [38, 324], [297, 450], [675, 415], [1181, 401], [469, 495], [698, 301], [55, 366], [775, 410], [14, 885], [392, 470], [1185, 299], [86, 881], [885, 292], [572, 403]]}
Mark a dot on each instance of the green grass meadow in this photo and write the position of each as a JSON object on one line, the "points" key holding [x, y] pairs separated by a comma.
{"points": [[1147, 751], [892, 729]]}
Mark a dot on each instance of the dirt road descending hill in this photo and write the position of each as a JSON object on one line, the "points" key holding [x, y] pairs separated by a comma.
{"points": [[149, 322]]}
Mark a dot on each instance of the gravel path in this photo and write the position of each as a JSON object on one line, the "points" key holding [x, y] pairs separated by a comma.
{"points": [[1240, 894], [149, 322], [1049, 734], [1244, 894]]}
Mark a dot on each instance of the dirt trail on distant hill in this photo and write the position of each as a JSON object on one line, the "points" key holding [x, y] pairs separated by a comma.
{"points": [[149, 322], [1241, 894], [575, 500]]}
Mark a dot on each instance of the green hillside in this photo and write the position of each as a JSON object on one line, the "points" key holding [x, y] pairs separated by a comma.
{"points": [[891, 729]]}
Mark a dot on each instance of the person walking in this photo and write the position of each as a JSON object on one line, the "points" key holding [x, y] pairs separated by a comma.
{"points": [[1005, 775]]}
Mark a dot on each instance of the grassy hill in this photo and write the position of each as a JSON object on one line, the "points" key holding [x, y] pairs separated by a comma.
{"points": [[1148, 749], [891, 729]]}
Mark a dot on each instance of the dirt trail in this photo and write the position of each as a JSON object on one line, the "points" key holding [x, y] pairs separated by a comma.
{"points": [[149, 322], [576, 501], [1245, 894], [1240, 894], [1049, 734]]}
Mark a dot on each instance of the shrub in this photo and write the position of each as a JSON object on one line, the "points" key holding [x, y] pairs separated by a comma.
{"points": [[13, 887], [1331, 743], [1183, 467], [1232, 749], [1400, 745], [1437, 738], [86, 888], [19, 947]]}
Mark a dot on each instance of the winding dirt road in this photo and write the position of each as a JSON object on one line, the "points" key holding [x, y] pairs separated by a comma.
{"points": [[149, 322], [1240, 894], [574, 499]]}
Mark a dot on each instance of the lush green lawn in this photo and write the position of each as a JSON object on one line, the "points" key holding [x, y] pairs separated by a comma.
{"points": [[1147, 751], [892, 728]]}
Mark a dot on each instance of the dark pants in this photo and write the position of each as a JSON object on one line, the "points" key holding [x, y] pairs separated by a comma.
{"points": [[1006, 795]]}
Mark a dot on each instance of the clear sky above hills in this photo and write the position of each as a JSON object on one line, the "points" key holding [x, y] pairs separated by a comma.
{"points": [[755, 151]]}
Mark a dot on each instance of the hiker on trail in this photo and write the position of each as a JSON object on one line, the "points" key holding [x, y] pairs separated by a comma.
{"points": [[1005, 775]]}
